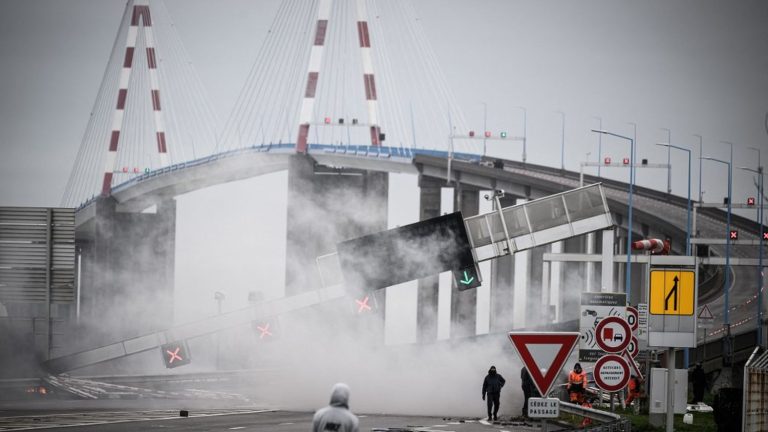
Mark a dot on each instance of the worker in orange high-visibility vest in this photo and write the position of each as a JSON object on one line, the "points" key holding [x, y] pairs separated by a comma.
{"points": [[577, 384], [634, 390]]}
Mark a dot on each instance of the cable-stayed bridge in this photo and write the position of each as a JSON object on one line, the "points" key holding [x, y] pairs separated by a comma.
{"points": [[342, 93]]}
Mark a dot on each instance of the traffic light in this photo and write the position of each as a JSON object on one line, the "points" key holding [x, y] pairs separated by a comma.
{"points": [[467, 278], [734, 235], [751, 201], [175, 354], [503, 134]]}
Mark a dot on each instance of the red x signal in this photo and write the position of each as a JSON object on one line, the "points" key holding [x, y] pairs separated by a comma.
{"points": [[751, 201], [765, 235], [607, 161], [174, 355], [626, 161], [362, 305], [734, 235], [264, 331]]}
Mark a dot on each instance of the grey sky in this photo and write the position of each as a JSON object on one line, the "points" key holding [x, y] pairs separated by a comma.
{"points": [[691, 66], [696, 67]]}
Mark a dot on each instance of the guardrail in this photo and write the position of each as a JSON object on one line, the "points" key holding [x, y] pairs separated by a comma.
{"points": [[608, 421]]}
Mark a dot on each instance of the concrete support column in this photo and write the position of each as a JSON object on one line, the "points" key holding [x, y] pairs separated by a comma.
{"points": [[555, 282], [589, 271], [464, 303], [535, 288], [128, 266], [325, 208], [606, 271], [427, 298]]}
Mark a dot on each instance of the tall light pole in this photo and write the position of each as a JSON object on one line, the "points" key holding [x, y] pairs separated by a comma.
{"points": [[760, 185], [628, 272], [485, 126], [599, 144], [562, 142], [632, 156], [688, 225], [669, 160], [726, 305], [701, 154], [525, 132]]}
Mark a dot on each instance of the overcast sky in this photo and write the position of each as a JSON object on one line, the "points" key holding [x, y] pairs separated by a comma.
{"points": [[695, 67]]}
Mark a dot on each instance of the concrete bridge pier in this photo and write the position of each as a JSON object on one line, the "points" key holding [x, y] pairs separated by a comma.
{"points": [[127, 270], [428, 288], [464, 303], [327, 206]]}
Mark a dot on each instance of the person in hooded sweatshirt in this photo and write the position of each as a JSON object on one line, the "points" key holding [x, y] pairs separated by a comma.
{"points": [[336, 416], [492, 385]]}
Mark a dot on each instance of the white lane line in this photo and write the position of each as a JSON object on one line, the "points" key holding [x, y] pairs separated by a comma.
{"points": [[237, 427]]}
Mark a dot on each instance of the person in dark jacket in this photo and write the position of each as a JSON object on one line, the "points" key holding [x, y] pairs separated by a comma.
{"points": [[699, 379], [529, 389], [492, 385], [336, 416]]}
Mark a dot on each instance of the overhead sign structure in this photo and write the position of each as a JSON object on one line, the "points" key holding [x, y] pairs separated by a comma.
{"points": [[410, 252], [613, 334], [543, 407], [175, 354], [543, 355], [594, 308], [672, 293], [611, 372]]}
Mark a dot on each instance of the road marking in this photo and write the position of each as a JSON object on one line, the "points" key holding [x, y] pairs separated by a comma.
{"points": [[237, 427]]}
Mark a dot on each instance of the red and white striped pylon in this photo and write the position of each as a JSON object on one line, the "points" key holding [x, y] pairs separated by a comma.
{"points": [[652, 245], [313, 74], [139, 13], [368, 76]]}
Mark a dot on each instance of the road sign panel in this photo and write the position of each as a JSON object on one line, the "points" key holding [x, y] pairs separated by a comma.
{"points": [[611, 372], [543, 407], [543, 355], [634, 368], [634, 347], [672, 292], [632, 318], [613, 334], [705, 313], [594, 308]]}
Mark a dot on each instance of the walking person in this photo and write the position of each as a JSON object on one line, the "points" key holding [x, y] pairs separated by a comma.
{"points": [[492, 385], [336, 417], [529, 389]]}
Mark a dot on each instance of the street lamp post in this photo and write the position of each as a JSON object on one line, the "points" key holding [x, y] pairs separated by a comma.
{"points": [[562, 142], [688, 225], [628, 272], [599, 144], [525, 132], [485, 126], [669, 160], [726, 306], [701, 146], [760, 185]]}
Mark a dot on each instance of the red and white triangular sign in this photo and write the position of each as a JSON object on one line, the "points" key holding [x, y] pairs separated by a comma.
{"points": [[544, 355], [705, 313]]}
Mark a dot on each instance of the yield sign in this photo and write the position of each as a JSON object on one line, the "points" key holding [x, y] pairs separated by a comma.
{"points": [[544, 355]]}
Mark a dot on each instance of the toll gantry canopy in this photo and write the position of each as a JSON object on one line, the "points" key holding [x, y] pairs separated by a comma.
{"points": [[539, 222]]}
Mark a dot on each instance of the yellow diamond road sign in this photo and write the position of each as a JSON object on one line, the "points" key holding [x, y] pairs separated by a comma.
{"points": [[672, 292]]}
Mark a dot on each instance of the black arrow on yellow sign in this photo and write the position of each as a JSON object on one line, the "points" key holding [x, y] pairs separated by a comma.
{"points": [[672, 292]]}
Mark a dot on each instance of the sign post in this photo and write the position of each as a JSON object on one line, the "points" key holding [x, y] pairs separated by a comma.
{"points": [[672, 302]]}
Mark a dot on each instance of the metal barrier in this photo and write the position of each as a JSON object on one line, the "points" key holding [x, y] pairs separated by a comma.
{"points": [[610, 422], [755, 406]]}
